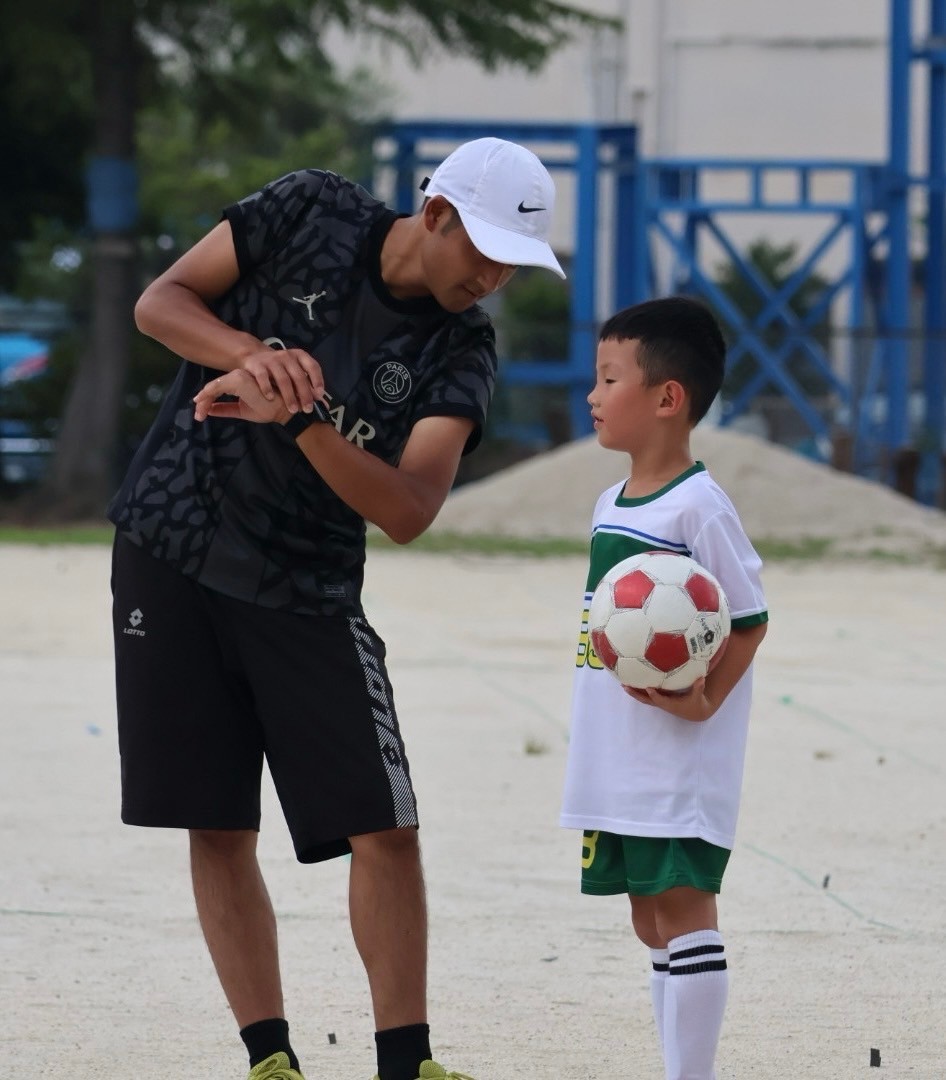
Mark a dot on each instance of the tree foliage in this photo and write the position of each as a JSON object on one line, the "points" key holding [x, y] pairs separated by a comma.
{"points": [[223, 162], [234, 61], [45, 126], [206, 36]]}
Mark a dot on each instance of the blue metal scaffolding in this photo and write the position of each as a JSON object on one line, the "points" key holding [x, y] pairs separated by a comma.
{"points": [[674, 207], [678, 211]]}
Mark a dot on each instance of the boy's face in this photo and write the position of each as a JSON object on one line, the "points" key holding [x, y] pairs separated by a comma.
{"points": [[624, 410]]}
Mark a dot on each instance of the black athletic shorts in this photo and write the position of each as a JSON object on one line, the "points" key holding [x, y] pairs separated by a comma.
{"points": [[208, 686]]}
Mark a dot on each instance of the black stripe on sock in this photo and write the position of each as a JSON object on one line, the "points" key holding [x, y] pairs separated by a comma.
{"points": [[698, 950], [696, 969], [661, 967]]}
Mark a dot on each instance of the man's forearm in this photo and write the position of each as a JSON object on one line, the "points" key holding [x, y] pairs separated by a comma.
{"points": [[177, 317], [400, 504]]}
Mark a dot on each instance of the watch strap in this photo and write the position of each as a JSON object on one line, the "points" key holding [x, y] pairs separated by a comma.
{"points": [[298, 422]]}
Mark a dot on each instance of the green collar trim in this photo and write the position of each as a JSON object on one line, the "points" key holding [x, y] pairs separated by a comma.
{"points": [[696, 467]]}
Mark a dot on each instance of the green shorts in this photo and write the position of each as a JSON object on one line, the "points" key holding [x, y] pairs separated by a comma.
{"points": [[648, 865]]}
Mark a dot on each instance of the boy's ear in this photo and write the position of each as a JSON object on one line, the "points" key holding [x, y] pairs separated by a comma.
{"points": [[673, 398]]}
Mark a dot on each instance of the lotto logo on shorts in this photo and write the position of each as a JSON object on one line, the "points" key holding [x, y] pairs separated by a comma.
{"points": [[135, 620]]}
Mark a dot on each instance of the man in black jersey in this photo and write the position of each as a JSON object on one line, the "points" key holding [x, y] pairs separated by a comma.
{"points": [[335, 368]]}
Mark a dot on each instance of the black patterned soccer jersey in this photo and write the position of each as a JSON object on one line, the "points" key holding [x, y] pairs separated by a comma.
{"points": [[236, 505]]}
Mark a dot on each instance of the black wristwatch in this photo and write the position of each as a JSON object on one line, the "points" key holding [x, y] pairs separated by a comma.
{"points": [[298, 422]]}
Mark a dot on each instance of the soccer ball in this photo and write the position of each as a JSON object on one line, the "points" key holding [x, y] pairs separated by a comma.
{"points": [[659, 620]]}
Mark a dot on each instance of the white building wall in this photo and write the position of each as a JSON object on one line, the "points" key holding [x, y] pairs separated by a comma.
{"points": [[708, 77]]}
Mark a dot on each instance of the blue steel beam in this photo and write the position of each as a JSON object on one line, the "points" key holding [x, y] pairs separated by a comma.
{"points": [[677, 184], [584, 278], [627, 242], [897, 313], [930, 478]]}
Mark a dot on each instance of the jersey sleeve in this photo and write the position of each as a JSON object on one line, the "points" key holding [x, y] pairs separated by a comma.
{"points": [[465, 377], [264, 223], [724, 549]]}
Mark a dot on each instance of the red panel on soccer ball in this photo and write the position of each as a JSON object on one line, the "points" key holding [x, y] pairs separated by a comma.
{"points": [[703, 593], [606, 654], [667, 651], [632, 590]]}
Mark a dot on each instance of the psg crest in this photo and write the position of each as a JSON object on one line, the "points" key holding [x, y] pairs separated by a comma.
{"points": [[391, 382]]}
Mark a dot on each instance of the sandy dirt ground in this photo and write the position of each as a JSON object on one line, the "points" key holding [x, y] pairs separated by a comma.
{"points": [[832, 908]]}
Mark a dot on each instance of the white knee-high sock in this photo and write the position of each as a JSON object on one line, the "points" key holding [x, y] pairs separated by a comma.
{"points": [[660, 967], [694, 1002]]}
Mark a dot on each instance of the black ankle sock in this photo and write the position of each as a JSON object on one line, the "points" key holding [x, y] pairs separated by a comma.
{"points": [[401, 1050], [265, 1038]]}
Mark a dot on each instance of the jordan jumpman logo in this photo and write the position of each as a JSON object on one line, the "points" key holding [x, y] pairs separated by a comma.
{"points": [[310, 300]]}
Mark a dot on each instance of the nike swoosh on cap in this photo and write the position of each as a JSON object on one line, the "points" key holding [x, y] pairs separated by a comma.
{"points": [[523, 209]]}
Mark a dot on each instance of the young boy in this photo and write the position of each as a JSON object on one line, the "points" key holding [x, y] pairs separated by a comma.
{"points": [[654, 779]]}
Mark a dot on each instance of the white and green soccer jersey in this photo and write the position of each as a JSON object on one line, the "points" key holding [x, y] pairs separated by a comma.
{"points": [[634, 769]]}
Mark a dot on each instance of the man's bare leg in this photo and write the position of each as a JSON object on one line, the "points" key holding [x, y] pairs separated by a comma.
{"points": [[388, 908], [238, 921]]}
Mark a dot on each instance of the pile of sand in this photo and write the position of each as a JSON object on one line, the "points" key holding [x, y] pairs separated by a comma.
{"points": [[780, 496]]}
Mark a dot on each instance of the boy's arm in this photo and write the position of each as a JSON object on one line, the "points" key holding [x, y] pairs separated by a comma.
{"points": [[706, 695]]}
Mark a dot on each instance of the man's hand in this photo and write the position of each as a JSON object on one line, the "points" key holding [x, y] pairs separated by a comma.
{"points": [[290, 374], [692, 704], [251, 404]]}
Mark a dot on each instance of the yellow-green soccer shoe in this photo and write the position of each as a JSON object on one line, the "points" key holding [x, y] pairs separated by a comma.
{"points": [[430, 1070], [275, 1067]]}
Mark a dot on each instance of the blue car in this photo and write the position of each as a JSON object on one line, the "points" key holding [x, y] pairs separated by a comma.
{"points": [[23, 457], [22, 356]]}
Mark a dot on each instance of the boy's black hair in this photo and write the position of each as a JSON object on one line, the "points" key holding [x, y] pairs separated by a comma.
{"points": [[679, 339]]}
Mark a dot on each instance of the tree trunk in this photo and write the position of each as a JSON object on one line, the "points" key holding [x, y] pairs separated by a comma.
{"points": [[83, 470]]}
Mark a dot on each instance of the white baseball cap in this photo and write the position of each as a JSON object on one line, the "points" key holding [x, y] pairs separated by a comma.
{"points": [[504, 196]]}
